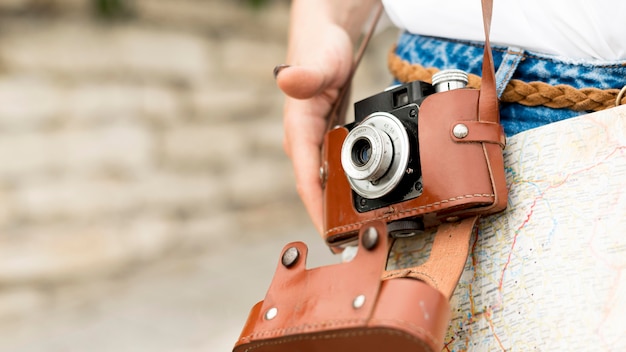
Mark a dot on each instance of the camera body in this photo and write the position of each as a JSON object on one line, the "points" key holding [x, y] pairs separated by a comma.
{"points": [[416, 155], [380, 155]]}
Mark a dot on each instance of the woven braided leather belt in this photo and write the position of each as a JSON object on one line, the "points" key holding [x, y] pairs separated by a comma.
{"points": [[561, 96]]}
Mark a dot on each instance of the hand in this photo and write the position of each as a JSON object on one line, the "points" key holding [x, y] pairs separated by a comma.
{"points": [[312, 84], [321, 37]]}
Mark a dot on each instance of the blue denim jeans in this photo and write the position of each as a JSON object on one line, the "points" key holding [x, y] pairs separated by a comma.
{"points": [[515, 63]]}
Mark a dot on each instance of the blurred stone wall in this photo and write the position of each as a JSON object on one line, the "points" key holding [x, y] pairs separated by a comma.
{"points": [[126, 140], [120, 140]]}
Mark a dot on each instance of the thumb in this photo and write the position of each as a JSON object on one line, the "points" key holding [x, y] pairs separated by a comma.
{"points": [[301, 82]]}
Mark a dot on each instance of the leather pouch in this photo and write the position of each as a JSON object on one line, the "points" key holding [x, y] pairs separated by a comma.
{"points": [[358, 306], [460, 142]]}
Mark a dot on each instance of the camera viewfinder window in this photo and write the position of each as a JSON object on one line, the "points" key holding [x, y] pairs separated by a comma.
{"points": [[400, 98]]}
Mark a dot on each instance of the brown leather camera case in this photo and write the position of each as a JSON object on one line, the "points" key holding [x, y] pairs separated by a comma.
{"points": [[346, 307], [461, 176]]}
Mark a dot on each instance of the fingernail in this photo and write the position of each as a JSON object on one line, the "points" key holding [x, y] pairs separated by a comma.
{"points": [[279, 68]]}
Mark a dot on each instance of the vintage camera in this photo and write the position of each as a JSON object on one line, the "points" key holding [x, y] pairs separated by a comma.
{"points": [[380, 154]]}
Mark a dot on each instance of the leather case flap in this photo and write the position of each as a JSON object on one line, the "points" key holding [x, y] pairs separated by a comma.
{"points": [[335, 296], [346, 307]]}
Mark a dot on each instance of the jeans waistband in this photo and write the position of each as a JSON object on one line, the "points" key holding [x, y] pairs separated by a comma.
{"points": [[514, 64], [530, 66]]}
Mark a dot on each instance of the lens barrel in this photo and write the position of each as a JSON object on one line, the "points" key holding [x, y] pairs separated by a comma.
{"points": [[375, 154], [370, 152]]}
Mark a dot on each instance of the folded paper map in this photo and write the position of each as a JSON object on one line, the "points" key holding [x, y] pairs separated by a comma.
{"points": [[549, 273]]}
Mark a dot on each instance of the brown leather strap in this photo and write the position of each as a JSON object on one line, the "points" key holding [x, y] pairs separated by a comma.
{"points": [[480, 131], [338, 111], [447, 258], [488, 100], [449, 253]]}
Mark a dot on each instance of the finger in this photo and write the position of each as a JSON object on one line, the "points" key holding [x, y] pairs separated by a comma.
{"points": [[306, 161], [301, 82], [304, 131]]}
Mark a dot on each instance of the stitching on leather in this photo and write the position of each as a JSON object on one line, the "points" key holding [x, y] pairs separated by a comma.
{"points": [[387, 215], [344, 334]]}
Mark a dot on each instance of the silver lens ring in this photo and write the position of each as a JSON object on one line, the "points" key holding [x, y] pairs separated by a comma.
{"points": [[387, 126], [366, 153]]}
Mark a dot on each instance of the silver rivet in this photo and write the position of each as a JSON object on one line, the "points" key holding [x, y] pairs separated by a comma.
{"points": [[370, 238], [324, 174], [358, 302], [290, 257], [460, 131], [271, 313]]}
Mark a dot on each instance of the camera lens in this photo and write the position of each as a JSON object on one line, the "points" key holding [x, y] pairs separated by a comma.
{"points": [[366, 153], [374, 155], [361, 152]]}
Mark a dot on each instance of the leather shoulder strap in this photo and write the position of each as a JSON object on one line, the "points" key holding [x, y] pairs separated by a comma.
{"points": [[338, 112], [447, 258], [488, 100]]}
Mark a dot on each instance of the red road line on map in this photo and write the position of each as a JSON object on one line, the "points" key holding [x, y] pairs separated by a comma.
{"points": [[493, 330], [508, 259], [446, 346]]}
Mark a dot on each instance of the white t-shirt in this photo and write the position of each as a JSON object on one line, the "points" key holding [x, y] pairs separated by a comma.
{"points": [[586, 29]]}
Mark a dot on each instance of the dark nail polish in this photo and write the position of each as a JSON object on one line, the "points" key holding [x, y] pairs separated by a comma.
{"points": [[279, 68]]}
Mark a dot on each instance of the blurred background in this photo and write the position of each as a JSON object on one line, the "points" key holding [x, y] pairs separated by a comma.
{"points": [[144, 193]]}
